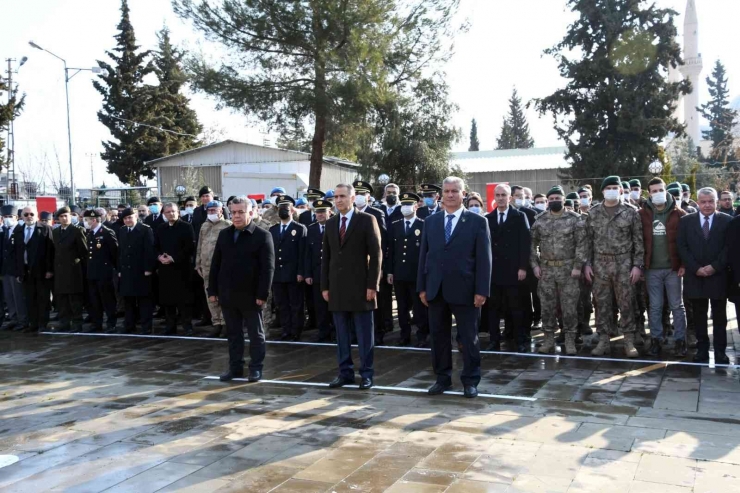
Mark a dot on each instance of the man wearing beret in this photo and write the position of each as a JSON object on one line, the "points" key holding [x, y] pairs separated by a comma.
{"points": [[616, 263], [636, 198], [102, 246], [136, 264], [70, 263]]}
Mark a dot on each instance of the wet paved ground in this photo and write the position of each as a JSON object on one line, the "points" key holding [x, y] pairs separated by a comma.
{"points": [[95, 413]]}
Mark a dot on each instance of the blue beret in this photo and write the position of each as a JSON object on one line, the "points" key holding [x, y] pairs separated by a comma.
{"points": [[213, 203], [329, 194], [300, 201], [279, 190]]}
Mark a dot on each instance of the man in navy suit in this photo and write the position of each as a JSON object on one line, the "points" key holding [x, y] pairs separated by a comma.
{"points": [[454, 278], [307, 218], [430, 194], [391, 208], [312, 268]]}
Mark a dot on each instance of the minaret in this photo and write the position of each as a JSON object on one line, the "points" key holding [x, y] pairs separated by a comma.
{"points": [[691, 69]]}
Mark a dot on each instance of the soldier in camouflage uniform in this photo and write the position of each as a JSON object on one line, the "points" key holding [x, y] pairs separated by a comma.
{"points": [[214, 224], [266, 220], [585, 307], [559, 251], [615, 236]]}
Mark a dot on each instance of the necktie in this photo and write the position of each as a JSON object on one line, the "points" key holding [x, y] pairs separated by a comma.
{"points": [[408, 226], [282, 232], [501, 218], [342, 230], [448, 227], [29, 232], [130, 229], [705, 228], [321, 228]]}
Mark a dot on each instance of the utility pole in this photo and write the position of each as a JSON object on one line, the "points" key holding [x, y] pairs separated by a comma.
{"points": [[10, 141]]}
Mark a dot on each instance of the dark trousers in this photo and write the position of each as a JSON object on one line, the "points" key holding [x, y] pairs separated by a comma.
{"points": [[362, 323], [200, 305], [102, 300], [408, 300], [144, 307], [70, 309], [308, 297], [38, 292], [385, 303], [321, 308], [440, 330], [503, 300], [288, 297], [236, 318], [185, 310], [719, 322]]}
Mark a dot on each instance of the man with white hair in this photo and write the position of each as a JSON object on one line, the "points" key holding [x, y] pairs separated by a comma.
{"points": [[35, 267]]}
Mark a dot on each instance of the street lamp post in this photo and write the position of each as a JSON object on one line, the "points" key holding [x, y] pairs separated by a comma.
{"points": [[67, 78], [10, 143]]}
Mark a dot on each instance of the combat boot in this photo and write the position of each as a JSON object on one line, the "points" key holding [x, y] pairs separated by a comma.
{"points": [[629, 346], [570, 345], [602, 347], [548, 347]]}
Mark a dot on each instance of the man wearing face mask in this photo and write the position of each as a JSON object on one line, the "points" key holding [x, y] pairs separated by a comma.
{"points": [[664, 269], [312, 268], [70, 263], [289, 241], [12, 289], [531, 305], [641, 296], [76, 217], [636, 193], [558, 253], [155, 217], [403, 266], [189, 210], [102, 246], [686, 200], [584, 200], [209, 232], [430, 195], [616, 263], [540, 203], [528, 202], [391, 208], [585, 305]]}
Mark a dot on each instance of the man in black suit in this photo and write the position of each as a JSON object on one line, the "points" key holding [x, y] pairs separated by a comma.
{"points": [[404, 244], [528, 289], [155, 217], [136, 264], [350, 275], [102, 246], [733, 245], [189, 210], [12, 289], [510, 246], [702, 244], [307, 218], [312, 268], [430, 193], [241, 274], [454, 278], [289, 240], [70, 264], [34, 258], [200, 214], [391, 208]]}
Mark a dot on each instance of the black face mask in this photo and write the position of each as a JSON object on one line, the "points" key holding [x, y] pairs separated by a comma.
{"points": [[556, 206], [391, 199], [283, 213]]}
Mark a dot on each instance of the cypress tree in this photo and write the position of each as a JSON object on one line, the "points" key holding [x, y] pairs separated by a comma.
{"points": [[722, 118], [515, 129], [9, 110], [474, 143]]}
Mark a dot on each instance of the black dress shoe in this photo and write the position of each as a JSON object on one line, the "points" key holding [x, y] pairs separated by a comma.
{"points": [[285, 337], [679, 349], [189, 332], [231, 374], [702, 356], [494, 346], [655, 348], [366, 383], [439, 388], [404, 343], [379, 341], [341, 382], [204, 323], [254, 376], [470, 391], [523, 348], [216, 332], [721, 359]]}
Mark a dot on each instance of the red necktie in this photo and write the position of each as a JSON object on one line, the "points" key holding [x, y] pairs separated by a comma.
{"points": [[342, 230]]}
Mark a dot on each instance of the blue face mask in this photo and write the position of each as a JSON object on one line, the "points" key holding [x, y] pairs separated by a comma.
{"points": [[154, 209], [475, 209], [429, 201]]}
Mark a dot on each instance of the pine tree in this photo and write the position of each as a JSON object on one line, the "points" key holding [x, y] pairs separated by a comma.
{"points": [[474, 143], [515, 129], [722, 118], [127, 102], [9, 110], [172, 111]]}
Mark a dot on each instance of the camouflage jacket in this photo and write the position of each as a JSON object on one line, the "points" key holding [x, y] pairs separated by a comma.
{"points": [[560, 237], [618, 235], [207, 243], [262, 223], [270, 216]]}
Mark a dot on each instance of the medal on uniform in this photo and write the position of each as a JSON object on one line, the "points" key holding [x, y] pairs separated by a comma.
{"points": [[292, 233], [99, 245], [417, 232]]}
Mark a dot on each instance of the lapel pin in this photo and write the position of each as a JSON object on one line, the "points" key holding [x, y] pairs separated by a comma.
{"points": [[292, 233]]}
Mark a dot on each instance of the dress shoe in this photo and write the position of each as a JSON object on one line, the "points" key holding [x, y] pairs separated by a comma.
{"points": [[144, 332], [92, 329], [189, 332], [439, 388], [60, 329], [655, 348], [404, 343], [204, 323], [679, 349], [721, 359], [470, 391], [523, 348], [295, 338], [232, 374], [110, 330], [702, 356], [11, 325], [494, 346], [216, 332], [255, 376], [341, 382], [285, 337], [366, 383]]}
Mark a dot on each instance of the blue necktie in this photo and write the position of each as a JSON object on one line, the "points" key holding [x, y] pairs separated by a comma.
{"points": [[448, 228], [282, 233]]}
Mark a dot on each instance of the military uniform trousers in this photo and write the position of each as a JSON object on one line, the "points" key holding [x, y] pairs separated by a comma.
{"points": [[217, 316], [613, 289], [102, 300], [143, 306], [236, 318], [408, 300], [585, 307], [37, 293], [70, 310], [557, 286], [289, 300]]}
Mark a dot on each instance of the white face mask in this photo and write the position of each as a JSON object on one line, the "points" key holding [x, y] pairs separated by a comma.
{"points": [[360, 201], [518, 202], [75, 220], [213, 217], [189, 210], [88, 224], [634, 195], [540, 207], [527, 202], [659, 198], [585, 202], [475, 209], [407, 210], [611, 195], [9, 222]]}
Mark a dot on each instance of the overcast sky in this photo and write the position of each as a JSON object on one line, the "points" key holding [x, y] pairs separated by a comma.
{"points": [[502, 49]]}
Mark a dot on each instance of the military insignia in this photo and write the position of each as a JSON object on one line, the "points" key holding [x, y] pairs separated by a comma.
{"points": [[405, 196], [417, 232], [292, 233], [99, 245]]}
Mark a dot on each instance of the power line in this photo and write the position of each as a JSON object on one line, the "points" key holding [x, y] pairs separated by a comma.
{"points": [[152, 126]]}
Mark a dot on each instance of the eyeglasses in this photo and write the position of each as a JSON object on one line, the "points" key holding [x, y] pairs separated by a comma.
{"points": [[28, 214]]}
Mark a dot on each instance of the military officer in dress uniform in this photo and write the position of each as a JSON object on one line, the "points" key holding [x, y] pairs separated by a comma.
{"points": [[404, 241], [102, 246], [70, 256], [307, 218], [312, 268], [289, 240], [430, 195], [136, 263]]}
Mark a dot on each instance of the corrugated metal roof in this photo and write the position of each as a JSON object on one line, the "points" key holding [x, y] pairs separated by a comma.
{"points": [[511, 159]]}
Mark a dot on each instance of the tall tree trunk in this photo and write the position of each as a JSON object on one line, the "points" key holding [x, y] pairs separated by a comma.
{"points": [[321, 111]]}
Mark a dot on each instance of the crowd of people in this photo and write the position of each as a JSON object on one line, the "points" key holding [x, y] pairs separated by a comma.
{"points": [[334, 261]]}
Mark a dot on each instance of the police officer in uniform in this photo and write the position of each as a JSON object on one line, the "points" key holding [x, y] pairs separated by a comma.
{"points": [[312, 268], [403, 265], [430, 195], [102, 246], [307, 218], [289, 240]]}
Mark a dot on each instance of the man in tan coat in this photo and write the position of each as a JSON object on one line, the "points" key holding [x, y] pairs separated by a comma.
{"points": [[214, 224]]}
